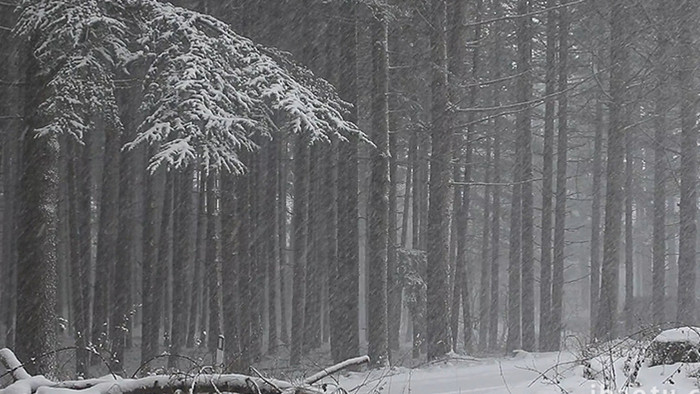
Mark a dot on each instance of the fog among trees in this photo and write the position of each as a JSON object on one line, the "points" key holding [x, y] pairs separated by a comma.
{"points": [[304, 178]]}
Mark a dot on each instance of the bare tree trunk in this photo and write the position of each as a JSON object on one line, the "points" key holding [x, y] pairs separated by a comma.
{"points": [[484, 287], [77, 252], [438, 336], [312, 311], [272, 248], [595, 213], [547, 175], [36, 250], [231, 275], [560, 210], [182, 259], [378, 209], [282, 216], [629, 236], [687, 239], [659, 224], [299, 239], [212, 264], [498, 128], [608, 302], [347, 289], [524, 33], [195, 323], [150, 285]]}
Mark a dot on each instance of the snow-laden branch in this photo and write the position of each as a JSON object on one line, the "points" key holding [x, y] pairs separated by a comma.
{"points": [[338, 367], [163, 384], [208, 93], [12, 365]]}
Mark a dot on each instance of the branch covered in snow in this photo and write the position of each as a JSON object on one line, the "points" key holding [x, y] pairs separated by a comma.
{"points": [[209, 93], [337, 367], [12, 365], [163, 384]]}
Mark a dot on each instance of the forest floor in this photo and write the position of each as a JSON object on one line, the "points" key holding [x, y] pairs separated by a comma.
{"points": [[568, 371], [527, 373]]}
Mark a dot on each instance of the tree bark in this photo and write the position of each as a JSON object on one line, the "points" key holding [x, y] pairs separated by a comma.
{"points": [[378, 209], [547, 175], [687, 239], [659, 223], [299, 240], [498, 128], [561, 192], [608, 302], [524, 33], [629, 236], [182, 259], [212, 263], [150, 286], [36, 234], [347, 290], [595, 213], [438, 336]]}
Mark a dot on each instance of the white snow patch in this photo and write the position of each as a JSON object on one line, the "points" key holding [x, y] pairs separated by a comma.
{"points": [[681, 334]]}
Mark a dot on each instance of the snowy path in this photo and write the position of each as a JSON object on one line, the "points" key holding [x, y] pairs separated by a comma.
{"points": [[513, 375]]}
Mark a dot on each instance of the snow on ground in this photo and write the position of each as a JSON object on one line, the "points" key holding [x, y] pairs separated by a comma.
{"points": [[682, 334], [536, 373]]}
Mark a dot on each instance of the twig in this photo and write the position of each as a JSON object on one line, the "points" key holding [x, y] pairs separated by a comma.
{"points": [[500, 368], [495, 184], [331, 370], [265, 379]]}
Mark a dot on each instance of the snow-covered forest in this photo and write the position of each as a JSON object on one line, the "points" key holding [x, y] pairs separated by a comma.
{"points": [[305, 180]]}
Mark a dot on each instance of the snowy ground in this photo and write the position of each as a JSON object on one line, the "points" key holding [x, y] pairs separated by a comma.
{"points": [[522, 374]]}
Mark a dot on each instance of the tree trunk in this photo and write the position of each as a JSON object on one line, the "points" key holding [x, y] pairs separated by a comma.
{"points": [[659, 224], [595, 213], [150, 286], [378, 209], [282, 216], [106, 239], [195, 322], [547, 171], [524, 34], [484, 287], [347, 289], [212, 264], [231, 276], [560, 210], [312, 319], [629, 236], [608, 302], [498, 128], [77, 252], [182, 259], [162, 302], [299, 239], [438, 336], [272, 238], [687, 239], [36, 250]]}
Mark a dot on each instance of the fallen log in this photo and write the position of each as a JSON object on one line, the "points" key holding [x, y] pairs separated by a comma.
{"points": [[163, 384]]}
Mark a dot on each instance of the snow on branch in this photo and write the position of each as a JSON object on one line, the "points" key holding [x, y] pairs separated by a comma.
{"points": [[12, 365], [208, 93], [163, 384], [338, 367]]}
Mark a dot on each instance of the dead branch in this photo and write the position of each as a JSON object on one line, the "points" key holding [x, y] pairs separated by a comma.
{"points": [[162, 384], [12, 365], [337, 367]]}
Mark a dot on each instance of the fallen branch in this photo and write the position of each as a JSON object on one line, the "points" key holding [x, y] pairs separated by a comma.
{"points": [[163, 384], [12, 365], [337, 367]]}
